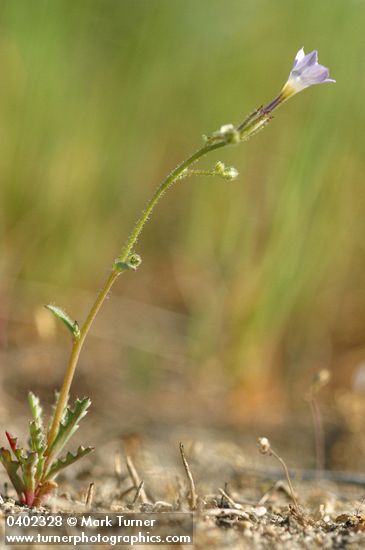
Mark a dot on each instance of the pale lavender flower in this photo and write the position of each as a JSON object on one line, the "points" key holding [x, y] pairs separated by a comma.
{"points": [[306, 72]]}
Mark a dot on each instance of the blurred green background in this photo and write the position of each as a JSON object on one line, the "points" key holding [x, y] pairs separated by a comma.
{"points": [[99, 99]]}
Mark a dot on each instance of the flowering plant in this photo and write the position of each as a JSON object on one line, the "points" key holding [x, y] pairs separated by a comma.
{"points": [[33, 472]]}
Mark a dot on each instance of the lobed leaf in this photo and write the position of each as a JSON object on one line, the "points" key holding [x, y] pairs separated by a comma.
{"points": [[37, 440], [36, 429], [13, 442], [29, 469], [38, 444], [37, 411], [54, 406], [69, 425], [11, 467], [69, 459]]}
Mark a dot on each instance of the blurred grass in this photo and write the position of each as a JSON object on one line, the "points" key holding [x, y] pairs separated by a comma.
{"points": [[99, 99]]}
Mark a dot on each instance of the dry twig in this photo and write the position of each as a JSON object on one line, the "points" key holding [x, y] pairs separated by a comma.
{"points": [[230, 500], [138, 492], [136, 479], [224, 512], [118, 466], [90, 495], [278, 486], [192, 492]]}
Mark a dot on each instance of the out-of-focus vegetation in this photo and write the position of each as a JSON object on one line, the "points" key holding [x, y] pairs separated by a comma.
{"points": [[99, 99]]}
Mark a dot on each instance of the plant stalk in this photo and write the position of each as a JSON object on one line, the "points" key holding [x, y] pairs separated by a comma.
{"points": [[287, 475], [124, 256]]}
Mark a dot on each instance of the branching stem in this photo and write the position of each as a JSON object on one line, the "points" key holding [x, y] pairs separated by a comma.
{"points": [[168, 182]]}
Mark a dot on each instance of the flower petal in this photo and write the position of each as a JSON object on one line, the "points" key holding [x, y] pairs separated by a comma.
{"points": [[299, 57], [306, 72], [310, 59]]}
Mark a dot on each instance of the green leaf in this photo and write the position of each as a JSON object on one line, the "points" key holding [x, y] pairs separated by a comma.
{"points": [[11, 467], [54, 407], [37, 433], [72, 325], [69, 425], [37, 440], [13, 442], [37, 411], [38, 444], [68, 460], [29, 468]]}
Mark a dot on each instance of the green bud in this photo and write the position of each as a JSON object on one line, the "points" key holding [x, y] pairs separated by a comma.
{"points": [[230, 173], [227, 133], [219, 168], [133, 262]]}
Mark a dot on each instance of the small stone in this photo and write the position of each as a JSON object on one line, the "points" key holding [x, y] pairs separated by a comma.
{"points": [[342, 518], [259, 511]]}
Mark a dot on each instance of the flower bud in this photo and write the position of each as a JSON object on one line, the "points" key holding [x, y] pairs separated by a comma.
{"points": [[219, 168], [320, 380], [228, 133], [133, 261], [230, 173], [264, 445]]}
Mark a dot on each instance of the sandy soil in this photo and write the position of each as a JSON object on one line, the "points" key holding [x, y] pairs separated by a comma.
{"points": [[241, 499]]}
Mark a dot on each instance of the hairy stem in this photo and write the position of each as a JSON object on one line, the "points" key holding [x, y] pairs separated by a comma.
{"points": [[124, 256], [163, 187]]}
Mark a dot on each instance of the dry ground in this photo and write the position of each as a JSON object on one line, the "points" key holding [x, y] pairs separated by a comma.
{"points": [[242, 499]]}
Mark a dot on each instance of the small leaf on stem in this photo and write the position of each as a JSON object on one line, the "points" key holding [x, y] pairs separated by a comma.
{"points": [[72, 325]]}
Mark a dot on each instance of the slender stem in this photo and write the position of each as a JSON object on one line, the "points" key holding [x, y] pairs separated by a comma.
{"points": [[163, 187], [127, 250], [318, 434], [75, 352], [202, 173], [287, 475]]}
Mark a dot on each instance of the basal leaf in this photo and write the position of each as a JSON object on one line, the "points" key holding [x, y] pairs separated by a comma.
{"points": [[11, 467], [69, 425], [13, 442], [54, 406], [70, 458], [29, 469], [37, 411]]}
